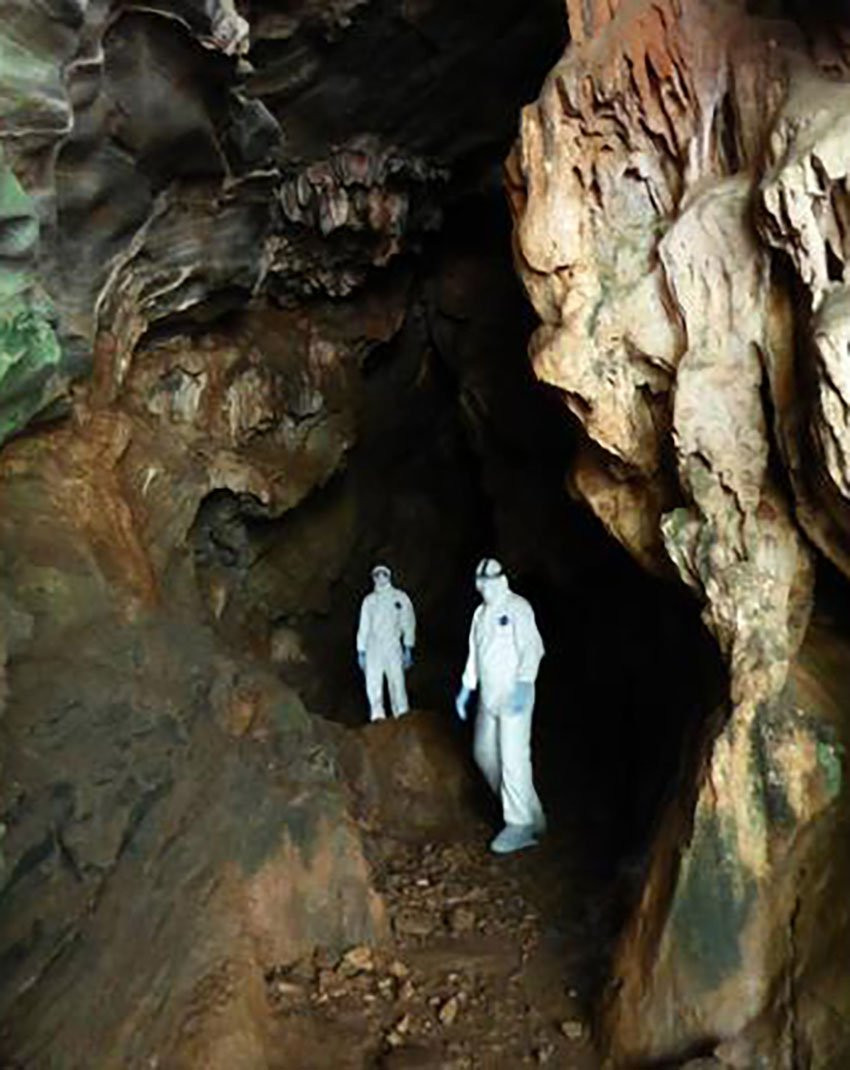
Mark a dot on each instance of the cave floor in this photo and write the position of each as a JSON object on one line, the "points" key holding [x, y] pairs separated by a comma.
{"points": [[490, 965]]}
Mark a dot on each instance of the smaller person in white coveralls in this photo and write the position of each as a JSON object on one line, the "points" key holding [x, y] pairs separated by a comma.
{"points": [[385, 641], [505, 650]]}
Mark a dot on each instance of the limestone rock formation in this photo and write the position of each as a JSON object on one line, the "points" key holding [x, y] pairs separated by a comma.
{"points": [[681, 203], [178, 155], [187, 190], [207, 211]]}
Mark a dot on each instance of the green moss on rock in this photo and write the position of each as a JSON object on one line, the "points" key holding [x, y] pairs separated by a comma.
{"points": [[713, 903], [30, 353], [830, 759], [768, 787]]}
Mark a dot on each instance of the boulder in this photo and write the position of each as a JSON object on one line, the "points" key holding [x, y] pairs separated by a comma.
{"points": [[412, 776]]}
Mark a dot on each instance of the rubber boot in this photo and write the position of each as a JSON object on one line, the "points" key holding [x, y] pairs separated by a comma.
{"points": [[513, 838]]}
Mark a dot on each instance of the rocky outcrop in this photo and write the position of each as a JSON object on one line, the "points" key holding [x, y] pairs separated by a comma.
{"points": [[174, 824], [414, 759], [681, 212], [185, 155]]}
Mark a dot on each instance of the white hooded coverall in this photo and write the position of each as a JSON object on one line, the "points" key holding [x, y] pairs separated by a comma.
{"points": [[505, 647], [387, 621]]}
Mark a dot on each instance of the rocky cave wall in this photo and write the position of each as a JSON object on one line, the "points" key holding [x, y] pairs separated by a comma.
{"points": [[210, 223], [215, 311], [680, 191], [170, 164]]}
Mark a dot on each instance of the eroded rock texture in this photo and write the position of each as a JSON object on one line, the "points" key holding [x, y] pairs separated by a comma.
{"points": [[174, 827], [681, 199], [184, 153], [188, 190]]}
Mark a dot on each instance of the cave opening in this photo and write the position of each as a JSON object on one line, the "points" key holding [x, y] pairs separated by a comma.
{"points": [[331, 369], [460, 453]]}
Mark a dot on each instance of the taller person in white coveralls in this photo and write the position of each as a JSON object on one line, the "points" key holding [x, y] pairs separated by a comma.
{"points": [[385, 641], [505, 650]]}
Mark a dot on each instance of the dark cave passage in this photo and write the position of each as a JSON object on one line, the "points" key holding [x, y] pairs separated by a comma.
{"points": [[261, 327], [284, 246], [460, 454]]}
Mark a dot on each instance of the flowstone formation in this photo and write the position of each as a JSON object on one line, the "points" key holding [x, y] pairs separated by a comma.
{"points": [[681, 204]]}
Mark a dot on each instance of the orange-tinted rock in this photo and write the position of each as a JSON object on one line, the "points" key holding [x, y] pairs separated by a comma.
{"points": [[174, 827], [672, 152]]}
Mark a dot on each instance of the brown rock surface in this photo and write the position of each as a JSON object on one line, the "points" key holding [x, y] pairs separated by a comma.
{"points": [[492, 997], [411, 776], [187, 190], [173, 827], [681, 224]]}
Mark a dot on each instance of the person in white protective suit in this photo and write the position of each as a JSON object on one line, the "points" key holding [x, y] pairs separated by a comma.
{"points": [[505, 650], [385, 641]]}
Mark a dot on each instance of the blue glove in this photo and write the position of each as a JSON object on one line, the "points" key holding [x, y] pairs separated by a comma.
{"points": [[461, 702], [361, 660], [407, 657], [522, 697]]}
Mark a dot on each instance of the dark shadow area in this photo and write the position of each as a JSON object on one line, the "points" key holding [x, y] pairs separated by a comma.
{"points": [[440, 78], [826, 15]]}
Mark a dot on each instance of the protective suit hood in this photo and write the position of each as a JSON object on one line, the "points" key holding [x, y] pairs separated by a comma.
{"points": [[382, 577], [491, 581], [494, 591]]}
